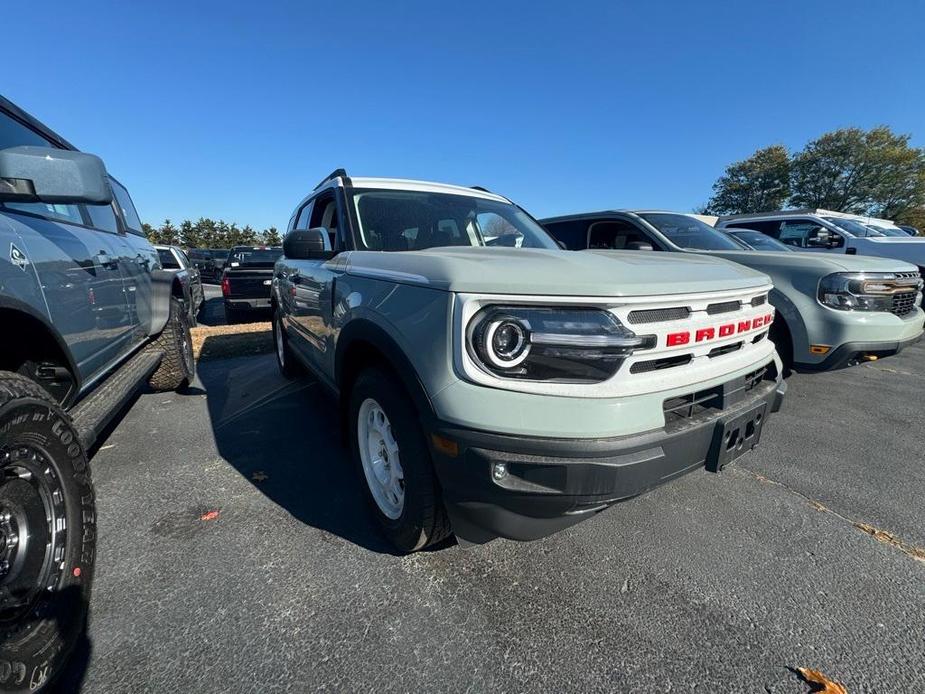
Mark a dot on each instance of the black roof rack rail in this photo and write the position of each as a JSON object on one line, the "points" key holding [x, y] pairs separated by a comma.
{"points": [[481, 188], [336, 173]]}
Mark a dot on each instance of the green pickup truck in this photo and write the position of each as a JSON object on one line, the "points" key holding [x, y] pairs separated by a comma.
{"points": [[832, 311]]}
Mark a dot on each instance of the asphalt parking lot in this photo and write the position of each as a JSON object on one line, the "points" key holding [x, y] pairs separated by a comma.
{"points": [[235, 554]]}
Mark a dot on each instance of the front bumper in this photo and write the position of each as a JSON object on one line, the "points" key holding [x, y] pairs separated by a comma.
{"points": [[854, 352], [552, 483]]}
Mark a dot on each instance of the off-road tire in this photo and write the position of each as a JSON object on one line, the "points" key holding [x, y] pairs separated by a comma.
{"points": [[35, 641], [288, 364], [423, 521], [178, 367]]}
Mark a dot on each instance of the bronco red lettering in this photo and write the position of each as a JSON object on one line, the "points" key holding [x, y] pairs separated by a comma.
{"points": [[727, 330], [705, 334], [675, 339], [744, 326]]}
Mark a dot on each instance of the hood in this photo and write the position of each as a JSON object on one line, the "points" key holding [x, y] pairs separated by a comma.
{"points": [[554, 273], [782, 261]]}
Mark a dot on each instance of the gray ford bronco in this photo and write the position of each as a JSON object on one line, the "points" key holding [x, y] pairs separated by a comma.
{"points": [[87, 315], [492, 384]]}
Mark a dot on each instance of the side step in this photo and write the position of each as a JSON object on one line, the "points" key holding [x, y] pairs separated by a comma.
{"points": [[96, 411]]}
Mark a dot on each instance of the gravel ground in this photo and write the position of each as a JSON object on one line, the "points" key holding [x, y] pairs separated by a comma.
{"points": [[710, 583]]}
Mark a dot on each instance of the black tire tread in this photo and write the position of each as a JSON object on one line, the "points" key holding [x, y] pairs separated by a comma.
{"points": [[434, 523], [171, 374]]}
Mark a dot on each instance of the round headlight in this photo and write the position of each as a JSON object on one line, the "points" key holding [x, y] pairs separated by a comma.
{"points": [[504, 341]]}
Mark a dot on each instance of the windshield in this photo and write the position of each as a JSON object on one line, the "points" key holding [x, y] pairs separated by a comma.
{"points": [[402, 220], [254, 256], [853, 227], [689, 232], [759, 241]]}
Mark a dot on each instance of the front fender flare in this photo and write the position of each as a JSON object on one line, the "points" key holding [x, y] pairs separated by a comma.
{"points": [[164, 285]]}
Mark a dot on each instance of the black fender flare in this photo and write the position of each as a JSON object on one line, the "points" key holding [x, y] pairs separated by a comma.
{"points": [[13, 304], [164, 285], [368, 332]]}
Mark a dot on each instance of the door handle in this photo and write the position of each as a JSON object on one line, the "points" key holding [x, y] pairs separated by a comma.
{"points": [[104, 259]]}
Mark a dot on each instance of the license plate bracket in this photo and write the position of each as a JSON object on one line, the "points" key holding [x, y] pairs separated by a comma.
{"points": [[736, 436]]}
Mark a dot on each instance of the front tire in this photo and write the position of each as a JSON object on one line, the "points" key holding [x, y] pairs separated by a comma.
{"points": [[47, 536], [178, 367], [390, 452]]}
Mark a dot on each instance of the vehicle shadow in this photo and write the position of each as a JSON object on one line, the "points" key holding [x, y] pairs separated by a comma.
{"points": [[212, 312], [285, 438]]}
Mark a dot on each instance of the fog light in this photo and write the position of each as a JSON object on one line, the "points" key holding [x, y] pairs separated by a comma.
{"points": [[499, 471]]}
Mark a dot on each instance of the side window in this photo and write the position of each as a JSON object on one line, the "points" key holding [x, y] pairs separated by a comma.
{"points": [[304, 215], [168, 261], [102, 217], [801, 232], [616, 235], [324, 214], [496, 231], [65, 213], [771, 227], [184, 259], [15, 134], [127, 207], [573, 233]]}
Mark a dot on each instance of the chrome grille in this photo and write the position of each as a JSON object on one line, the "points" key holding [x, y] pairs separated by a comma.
{"points": [[659, 315]]}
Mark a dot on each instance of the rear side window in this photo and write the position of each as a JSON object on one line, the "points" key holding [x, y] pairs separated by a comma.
{"points": [[124, 201], [102, 217], [168, 261], [304, 214], [574, 234]]}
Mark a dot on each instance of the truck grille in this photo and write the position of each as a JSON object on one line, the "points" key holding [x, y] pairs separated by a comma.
{"points": [[724, 307], [903, 304], [659, 315]]}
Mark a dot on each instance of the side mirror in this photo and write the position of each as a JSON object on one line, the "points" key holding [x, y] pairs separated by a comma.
{"points": [[639, 246], [45, 174], [308, 244], [818, 238]]}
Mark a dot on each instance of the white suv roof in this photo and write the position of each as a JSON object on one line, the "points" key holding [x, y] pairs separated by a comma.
{"points": [[422, 186]]}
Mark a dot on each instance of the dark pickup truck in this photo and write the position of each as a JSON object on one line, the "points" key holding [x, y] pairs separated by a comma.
{"points": [[247, 279]]}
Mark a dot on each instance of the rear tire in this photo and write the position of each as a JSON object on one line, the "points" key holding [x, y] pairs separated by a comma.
{"points": [[178, 367], [411, 514], [47, 536], [289, 367]]}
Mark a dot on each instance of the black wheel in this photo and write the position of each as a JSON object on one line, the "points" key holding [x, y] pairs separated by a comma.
{"points": [[177, 368], [47, 535], [779, 334], [393, 461], [289, 366]]}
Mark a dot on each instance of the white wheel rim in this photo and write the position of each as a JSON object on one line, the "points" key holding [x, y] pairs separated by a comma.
{"points": [[379, 455], [280, 351]]}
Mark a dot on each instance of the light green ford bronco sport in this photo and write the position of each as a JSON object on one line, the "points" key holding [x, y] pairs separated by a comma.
{"points": [[492, 384]]}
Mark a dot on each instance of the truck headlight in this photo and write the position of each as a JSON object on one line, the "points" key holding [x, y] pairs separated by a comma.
{"points": [[864, 291], [576, 345]]}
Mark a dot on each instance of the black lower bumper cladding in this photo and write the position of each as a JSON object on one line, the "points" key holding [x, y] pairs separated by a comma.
{"points": [[525, 488]]}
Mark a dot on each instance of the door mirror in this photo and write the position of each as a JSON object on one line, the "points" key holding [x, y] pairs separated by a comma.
{"points": [[639, 246], [835, 241], [308, 244], [818, 238], [45, 174]]}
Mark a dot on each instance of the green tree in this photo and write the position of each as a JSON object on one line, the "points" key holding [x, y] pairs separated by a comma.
{"points": [[756, 184], [873, 172], [271, 237]]}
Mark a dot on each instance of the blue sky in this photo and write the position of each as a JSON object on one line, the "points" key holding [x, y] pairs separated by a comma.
{"points": [[236, 109]]}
